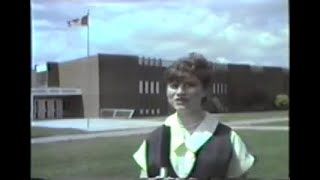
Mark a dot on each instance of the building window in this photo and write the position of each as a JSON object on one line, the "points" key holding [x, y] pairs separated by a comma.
{"points": [[141, 111], [159, 63], [147, 111], [146, 87], [218, 88], [152, 111], [157, 87], [158, 110], [222, 84], [151, 62], [140, 87], [214, 88], [140, 61], [225, 88], [151, 87]]}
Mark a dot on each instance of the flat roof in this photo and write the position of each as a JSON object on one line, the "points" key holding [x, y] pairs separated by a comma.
{"points": [[55, 91]]}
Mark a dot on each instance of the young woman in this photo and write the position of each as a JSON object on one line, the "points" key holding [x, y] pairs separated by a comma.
{"points": [[198, 144]]}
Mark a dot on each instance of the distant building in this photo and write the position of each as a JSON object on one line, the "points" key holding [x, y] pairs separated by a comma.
{"points": [[86, 87], [94, 86]]}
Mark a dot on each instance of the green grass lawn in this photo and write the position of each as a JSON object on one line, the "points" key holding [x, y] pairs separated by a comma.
{"points": [[43, 132], [236, 116], [254, 115], [281, 123], [111, 158]]}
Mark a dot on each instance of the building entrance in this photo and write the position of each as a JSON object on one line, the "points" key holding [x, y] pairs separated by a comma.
{"points": [[48, 108]]}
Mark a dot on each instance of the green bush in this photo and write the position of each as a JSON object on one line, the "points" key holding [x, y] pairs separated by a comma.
{"points": [[282, 101]]}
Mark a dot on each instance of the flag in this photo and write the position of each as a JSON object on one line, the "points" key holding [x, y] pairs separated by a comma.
{"points": [[83, 21]]}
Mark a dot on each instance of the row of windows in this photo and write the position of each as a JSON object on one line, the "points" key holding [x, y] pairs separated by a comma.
{"points": [[150, 62], [149, 87], [153, 87], [150, 111], [219, 88]]}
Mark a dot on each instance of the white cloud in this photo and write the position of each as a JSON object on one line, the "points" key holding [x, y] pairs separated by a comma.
{"points": [[172, 29], [36, 6], [231, 32], [267, 39], [222, 60], [285, 31], [42, 23]]}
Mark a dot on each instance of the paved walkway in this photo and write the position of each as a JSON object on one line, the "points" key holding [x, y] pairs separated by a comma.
{"points": [[241, 125], [95, 124], [258, 121]]}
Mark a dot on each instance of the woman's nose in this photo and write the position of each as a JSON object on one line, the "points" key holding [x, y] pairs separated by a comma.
{"points": [[180, 89]]}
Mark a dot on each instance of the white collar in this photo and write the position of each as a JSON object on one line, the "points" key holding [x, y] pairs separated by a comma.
{"points": [[201, 134]]}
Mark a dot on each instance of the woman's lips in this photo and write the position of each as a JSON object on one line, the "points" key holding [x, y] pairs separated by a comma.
{"points": [[181, 100]]}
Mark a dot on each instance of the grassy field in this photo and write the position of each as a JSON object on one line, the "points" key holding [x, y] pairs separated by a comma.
{"points": [[281, 123], [44, 132], [254, 115], [111, 158], [237, 116]]}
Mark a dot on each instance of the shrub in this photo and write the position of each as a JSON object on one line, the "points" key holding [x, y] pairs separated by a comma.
{"points": [[282, 101]]}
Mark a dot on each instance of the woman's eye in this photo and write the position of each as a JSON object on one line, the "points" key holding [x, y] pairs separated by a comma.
{"points": [[190, 84], [174, 85]]}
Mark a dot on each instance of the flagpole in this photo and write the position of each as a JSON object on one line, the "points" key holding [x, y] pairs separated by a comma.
{"points": [[88, 44], [88, 54]]}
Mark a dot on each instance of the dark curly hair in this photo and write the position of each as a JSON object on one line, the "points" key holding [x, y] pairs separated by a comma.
{"points": [[194, 64]]}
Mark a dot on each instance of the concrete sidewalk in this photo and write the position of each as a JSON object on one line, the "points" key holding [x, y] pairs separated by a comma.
{"points": [[258, 121], [95, 124], [240, 125], [126, 132]]}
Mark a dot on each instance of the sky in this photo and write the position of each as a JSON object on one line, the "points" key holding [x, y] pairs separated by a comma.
{"points": [[254, 32]]}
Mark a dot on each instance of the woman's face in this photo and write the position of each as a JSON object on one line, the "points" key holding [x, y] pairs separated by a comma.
{"points": [[185, 95]]}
